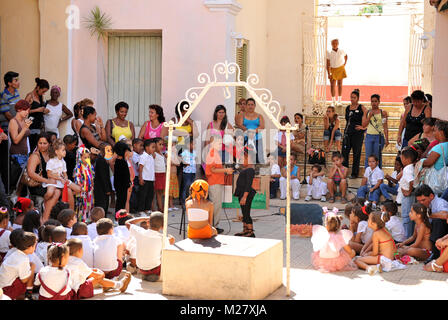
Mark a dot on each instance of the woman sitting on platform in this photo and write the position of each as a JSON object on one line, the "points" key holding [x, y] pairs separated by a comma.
{"points": [[199, 212]]}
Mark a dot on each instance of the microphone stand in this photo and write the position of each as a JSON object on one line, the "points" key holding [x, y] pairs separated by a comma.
{"points": [[306, 142]]}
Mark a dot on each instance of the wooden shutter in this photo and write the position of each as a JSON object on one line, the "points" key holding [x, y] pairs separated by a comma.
{"points": [[241, 60], [135, 73]]}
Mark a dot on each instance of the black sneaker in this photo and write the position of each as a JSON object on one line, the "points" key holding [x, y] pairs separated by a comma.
{"points": [[219, 230]]}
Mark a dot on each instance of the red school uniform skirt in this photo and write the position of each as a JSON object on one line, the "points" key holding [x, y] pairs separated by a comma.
{"points": [[85, 290], [16, 289], [114, 273], [160, 181]]}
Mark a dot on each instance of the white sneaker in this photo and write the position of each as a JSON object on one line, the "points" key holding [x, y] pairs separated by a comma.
{"points": [[308, 198], [323, 199]]}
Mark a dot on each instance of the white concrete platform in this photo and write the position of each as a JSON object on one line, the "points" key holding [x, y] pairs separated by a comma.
{"points": [[223, 268]]}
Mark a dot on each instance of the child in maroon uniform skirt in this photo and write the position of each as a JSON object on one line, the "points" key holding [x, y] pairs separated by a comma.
{"points": [[56, 282]]}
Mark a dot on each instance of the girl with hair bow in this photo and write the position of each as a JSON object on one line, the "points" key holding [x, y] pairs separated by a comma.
{"points": [[332, 251], [83, 177]]}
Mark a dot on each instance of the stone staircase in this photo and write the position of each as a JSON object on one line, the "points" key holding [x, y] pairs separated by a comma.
{"points": [[316, 125]]}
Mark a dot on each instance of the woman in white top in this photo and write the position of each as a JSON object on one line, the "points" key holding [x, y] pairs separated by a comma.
{"points": [[56, 109], [199, 212]]}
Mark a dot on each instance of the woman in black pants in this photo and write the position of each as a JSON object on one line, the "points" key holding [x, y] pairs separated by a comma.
{"points": [[245, 192], [354, 133]]}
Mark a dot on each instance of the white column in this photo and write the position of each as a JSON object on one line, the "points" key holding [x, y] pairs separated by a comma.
{"points": [[231, 8]]}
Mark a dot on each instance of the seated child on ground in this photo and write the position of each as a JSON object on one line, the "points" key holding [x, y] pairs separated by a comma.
{"points": [[16, 271], [384, 251], [79, 231], [419, 245], [5, 244], [149, 245], [331, 247], [294, 180], [86, 278], [358, 222], [371, 182], [59, 235], [55, 281], [96, 214], [394, 225], [392, 181], [108, 249], [21, 207], [68, 218], [317, 187], [337, 176], [45, 240], [57, 208], [274, 184]]}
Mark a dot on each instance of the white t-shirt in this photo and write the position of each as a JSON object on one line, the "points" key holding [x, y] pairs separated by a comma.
{"points": [[41, 252], [147, 161], [15, 265], [373, 176], [404, 183], [87, 247], [55, 279], [275, 169], [278, 138], [91, 230], [105, 252], [122, 232], [364, 228], [79, 271], [4, 240], [396, 228], [69, 232], [135, 160], [337, 58], [148, 247], [159, 163], [53, 118], [57, 167]]}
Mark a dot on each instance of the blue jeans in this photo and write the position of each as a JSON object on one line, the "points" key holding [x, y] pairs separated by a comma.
{"points": [[374, 144], [445, 195], [187, 180], [386, 189], [408, 224], [373, 196], [22, 159]]}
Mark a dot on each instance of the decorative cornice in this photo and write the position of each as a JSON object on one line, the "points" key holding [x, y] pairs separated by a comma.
{"points": [[229, 6]]}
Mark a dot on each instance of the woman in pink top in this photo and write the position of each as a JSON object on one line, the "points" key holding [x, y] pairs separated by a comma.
{"points": [[219, 125], [154, 128]]}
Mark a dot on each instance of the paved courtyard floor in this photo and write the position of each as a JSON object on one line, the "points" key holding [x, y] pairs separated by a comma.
{"points": [[306, 283]]}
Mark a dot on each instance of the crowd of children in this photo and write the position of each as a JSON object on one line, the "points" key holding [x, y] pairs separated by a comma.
{"points": [[66, 259]]}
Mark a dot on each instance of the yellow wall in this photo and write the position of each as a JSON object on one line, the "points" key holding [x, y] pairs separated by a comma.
{"points": [[19, 28]]}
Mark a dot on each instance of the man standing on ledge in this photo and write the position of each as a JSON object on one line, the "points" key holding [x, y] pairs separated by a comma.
{"points": [[336, 61]]}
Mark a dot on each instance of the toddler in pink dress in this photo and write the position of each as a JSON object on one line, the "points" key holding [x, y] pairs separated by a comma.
{"points": [[331, 245]]}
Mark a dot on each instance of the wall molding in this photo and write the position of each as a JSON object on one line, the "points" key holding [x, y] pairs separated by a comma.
{"points": [[229, 6]]}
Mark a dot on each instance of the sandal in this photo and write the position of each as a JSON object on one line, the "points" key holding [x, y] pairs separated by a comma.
{"points": [[434, 265], [331, 200], [250, 233], [344, 200], [239, 234]]}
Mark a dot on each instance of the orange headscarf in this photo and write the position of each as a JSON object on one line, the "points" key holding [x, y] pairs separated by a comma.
{"points": [[198, 189]]}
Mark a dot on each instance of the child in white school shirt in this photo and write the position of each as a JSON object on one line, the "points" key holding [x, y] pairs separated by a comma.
{"points": [[96, 214], [371, 182], [85, 279], [79, 231], [149, 245], [317, 187], [5, 244], [108, 249]]}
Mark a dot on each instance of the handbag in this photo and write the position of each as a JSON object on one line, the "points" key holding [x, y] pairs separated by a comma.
{"points": [[28, 181], [437, 179]]}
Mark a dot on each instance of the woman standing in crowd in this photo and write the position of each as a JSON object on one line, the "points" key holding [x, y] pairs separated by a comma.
{"points": [[37, 111], [253, 123], [92, 131], [377, 136], [78, 119], [413, 116], [354, 133], [298, 145], [55, 110], [19, 132], [119, 126], [242, 108], [37, 171], [219, 126], [154, 128], [428, 131]]}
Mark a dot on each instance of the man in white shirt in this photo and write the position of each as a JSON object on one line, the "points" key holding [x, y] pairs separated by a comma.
{"points": [[336, 61]]}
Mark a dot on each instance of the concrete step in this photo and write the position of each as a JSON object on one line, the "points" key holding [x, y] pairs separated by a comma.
{"points": [[319, 132], [390, 148], [386, 169], [318, 122], [392, 110]]}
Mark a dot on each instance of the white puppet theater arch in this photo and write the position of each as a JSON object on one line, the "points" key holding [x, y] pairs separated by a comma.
{"points": [[263, 98]]}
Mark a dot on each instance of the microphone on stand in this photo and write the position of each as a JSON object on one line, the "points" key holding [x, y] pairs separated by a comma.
{"points": [[306, 142]]}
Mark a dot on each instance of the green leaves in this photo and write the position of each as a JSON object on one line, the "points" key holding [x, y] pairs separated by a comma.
{"points": [[98, 22]]}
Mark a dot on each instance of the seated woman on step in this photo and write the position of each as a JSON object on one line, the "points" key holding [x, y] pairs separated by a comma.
{"points": [[199, 212]]}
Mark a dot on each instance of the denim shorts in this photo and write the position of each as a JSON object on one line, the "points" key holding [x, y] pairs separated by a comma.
{"points": [[337, 135]]}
